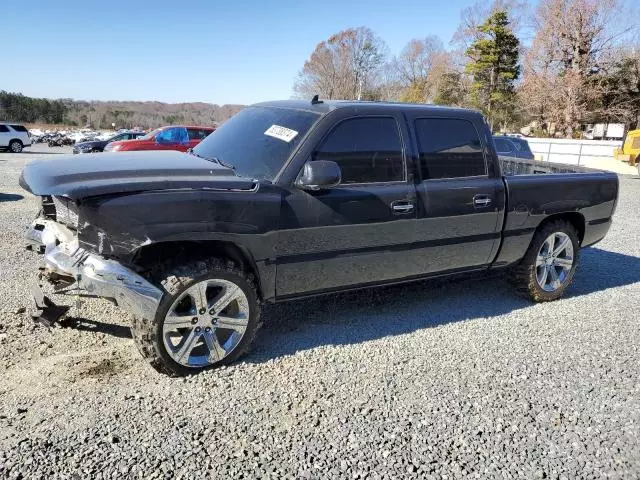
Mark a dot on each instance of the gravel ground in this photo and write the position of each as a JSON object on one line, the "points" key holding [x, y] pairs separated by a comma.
{"points": [[432, 380]]}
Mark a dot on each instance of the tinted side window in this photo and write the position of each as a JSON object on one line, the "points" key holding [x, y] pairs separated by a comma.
{"points": [[19, 128], [197, 134], [4, 128], [502, 146], [449, 148], [367, 149]]}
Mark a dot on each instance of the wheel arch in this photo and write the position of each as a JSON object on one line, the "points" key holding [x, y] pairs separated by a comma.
{"points": [[145, 257], [576, 219]]}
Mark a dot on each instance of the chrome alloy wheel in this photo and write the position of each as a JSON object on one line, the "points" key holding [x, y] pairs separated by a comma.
{"points": [[206, 323], [554, 261]]}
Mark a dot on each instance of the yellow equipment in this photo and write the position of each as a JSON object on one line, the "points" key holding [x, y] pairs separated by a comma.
{"points": [[630, 151]]}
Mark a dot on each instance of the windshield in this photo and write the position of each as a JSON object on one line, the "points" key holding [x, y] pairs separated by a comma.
{"points": [[257, 141], [150, 135], [116, 137]]}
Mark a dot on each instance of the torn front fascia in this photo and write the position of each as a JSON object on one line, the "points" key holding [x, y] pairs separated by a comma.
{"points": [[46, 312], [94, 275]]}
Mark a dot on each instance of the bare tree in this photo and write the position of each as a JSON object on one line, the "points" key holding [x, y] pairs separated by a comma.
{"points": [[420, 68], [475, 15], [563, 69], [344, 66]]}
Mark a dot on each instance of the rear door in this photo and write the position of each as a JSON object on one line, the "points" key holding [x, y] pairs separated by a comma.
{"points": [[460, 198], [196, 135], [360, 231]]}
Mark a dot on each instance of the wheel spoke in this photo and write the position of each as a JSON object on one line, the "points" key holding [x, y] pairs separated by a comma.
{"points": [[560, 248], [553, 274], [198, 293], [216, 352], [237, 324], [174, 320], [229, 294], [565, 263], [540, 260], [187, 345]]}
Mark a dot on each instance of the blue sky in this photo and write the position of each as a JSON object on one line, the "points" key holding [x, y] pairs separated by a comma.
{"points": [[195, 50]]}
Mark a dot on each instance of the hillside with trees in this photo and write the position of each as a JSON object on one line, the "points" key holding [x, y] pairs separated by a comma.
{"points": [[556, 66], [19, 108]]}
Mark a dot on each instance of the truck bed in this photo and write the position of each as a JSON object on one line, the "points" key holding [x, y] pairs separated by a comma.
{"points": [[518, 166]]}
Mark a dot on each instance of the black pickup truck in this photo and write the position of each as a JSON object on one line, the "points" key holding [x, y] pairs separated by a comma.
{"points": [[295, 198]]}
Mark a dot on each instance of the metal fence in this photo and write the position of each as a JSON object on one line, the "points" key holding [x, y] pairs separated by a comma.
{"points": [[571, 151]]}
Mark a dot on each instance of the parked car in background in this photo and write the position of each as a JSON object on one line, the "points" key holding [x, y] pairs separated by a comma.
{"points": [[175, 137], [513, 147], [94, 146], [14, 137]]}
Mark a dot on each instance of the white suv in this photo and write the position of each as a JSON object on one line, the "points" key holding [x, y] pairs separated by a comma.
{"points": [[14, 137]]}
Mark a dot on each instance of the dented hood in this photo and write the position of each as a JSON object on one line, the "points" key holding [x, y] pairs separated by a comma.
{"points": [[79, 176]]}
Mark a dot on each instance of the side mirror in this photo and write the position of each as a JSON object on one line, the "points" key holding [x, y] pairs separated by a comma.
{"points": [[319, 174]]}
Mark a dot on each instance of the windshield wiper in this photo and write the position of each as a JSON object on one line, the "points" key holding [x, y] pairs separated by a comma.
{"points": [[212, 159]]}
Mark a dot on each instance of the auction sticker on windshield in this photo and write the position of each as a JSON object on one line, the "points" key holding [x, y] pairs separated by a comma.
{"points": [[281, 133]]}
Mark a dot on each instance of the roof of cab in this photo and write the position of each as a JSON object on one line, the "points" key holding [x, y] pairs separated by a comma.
{"points": [[325, 106]]}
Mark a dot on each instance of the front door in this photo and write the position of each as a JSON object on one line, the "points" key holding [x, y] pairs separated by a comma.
{"points": [[173, 138], [360, 231]]}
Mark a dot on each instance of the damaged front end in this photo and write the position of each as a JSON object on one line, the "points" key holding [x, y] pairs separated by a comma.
{"points": [[73, 270]]}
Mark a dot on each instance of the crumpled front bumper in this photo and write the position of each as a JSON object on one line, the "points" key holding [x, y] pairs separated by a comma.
{"points": [[91, 274]]}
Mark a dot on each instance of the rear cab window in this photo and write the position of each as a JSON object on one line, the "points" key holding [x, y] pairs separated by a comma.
{"points": [[3, 128], [367, 149], [18, 128], [449, 148]]}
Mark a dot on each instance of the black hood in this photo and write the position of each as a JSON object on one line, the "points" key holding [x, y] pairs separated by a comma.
{"points": [[82, 176], [92, 144]]}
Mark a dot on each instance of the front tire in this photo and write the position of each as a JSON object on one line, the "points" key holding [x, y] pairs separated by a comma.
{"points": [[15, 146], [208, 317], [549, 265]]}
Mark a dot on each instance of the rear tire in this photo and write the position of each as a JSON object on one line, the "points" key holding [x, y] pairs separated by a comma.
{"points": [[15, 146], [193, 330], [549, 265]]}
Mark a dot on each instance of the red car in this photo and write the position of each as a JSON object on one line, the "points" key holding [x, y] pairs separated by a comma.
{"points": [[174, 137]]}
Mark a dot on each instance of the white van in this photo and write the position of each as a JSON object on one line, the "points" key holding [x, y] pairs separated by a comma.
{"points": [[14, 137]]}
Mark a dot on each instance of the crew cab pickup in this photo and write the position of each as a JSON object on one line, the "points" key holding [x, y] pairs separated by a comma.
{"points": [[290, 199]]}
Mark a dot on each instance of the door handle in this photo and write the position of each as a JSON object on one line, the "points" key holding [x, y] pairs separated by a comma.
{"points": [[402, 207], [481, 201]]}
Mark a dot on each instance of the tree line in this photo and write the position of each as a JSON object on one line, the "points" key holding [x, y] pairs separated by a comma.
{"points": [[96, 114], [579, 64], [18, 108]]}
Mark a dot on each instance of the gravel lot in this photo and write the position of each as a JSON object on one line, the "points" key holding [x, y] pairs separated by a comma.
{"points": [[432, 380]]}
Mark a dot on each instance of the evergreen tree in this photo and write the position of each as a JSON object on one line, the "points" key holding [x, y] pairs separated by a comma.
{"points": [[494, 68]]}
